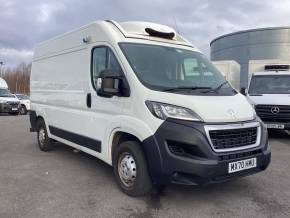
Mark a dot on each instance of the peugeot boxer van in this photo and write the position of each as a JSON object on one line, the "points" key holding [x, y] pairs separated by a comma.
{"points": [[141, 98]]}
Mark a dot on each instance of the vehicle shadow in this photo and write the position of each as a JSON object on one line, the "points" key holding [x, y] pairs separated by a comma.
{"points": [[171, 193], [283, 136]]}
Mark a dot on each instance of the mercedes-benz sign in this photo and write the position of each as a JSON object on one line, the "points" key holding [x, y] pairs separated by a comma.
{"points": [[275, 110]]}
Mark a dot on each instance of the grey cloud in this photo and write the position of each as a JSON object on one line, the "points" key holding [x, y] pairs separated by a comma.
{"points": [[23, 23]]}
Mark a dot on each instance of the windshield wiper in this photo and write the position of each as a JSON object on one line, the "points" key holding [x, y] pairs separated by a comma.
{"points": [[217, 88], [180, 88]]}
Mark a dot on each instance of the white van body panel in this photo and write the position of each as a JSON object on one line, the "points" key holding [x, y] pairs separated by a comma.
{"points": [[211, 108], [270, 99]]}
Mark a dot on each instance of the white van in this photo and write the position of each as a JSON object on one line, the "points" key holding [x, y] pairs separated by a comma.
{"points": [[269, 93], [141, 98], [8, 102]]}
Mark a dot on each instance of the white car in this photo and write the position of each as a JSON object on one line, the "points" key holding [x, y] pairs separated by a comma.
{"points": [[141, 98], [24, 103]]}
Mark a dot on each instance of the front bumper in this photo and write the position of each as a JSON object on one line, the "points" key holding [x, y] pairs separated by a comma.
{"points": [[201, 165], [9, 108]]}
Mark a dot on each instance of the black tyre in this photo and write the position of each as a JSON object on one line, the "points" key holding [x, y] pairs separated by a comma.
{"points": [[23, 110], [130, 169], [44, 142], [14, 113]]}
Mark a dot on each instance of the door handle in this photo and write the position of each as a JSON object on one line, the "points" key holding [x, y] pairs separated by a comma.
{"points": [[89, 100]]}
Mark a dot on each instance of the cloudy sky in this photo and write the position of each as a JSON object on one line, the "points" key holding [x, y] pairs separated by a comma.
{"points": [[23, 23]]}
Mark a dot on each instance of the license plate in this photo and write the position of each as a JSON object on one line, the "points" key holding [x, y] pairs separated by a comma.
{"points": [[275, 126], [242, 165], [15, 109]]}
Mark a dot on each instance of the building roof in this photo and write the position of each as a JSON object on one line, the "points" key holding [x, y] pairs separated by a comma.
{"points": [[247, 31]]}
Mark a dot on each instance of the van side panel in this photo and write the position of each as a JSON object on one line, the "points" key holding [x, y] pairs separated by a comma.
{"points": [[59, 87]]}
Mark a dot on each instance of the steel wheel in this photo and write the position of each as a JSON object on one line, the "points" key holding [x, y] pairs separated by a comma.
{"points": [[41, 136], [127, 169], [22, 110]]}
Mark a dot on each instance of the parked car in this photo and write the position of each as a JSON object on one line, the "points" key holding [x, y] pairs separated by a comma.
{"points": [[8, 102], [24, 103], [140, 97]]}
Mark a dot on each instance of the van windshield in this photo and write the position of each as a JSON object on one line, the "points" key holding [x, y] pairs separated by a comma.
{"points": [[6, 93], [270, 84], [172, 69]]}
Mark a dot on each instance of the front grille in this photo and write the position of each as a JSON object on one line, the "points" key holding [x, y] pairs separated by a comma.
{"points": [[233, 138], [13, 104], [266, 114]]}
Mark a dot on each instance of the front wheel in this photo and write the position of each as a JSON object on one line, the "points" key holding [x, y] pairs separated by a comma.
{"points": [[23, 110], [44, 142], [130, 169]]}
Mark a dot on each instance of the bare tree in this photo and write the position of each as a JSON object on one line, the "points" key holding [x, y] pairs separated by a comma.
{"points": [[18, 78]]}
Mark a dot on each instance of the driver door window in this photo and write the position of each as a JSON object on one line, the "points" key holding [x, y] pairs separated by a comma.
{"points": [[103, 58]]}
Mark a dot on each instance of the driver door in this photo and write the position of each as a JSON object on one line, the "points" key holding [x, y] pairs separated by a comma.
{"points": [[104, 110]]}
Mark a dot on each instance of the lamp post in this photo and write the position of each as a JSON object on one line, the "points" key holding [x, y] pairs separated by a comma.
{"points": [[1, 66]]}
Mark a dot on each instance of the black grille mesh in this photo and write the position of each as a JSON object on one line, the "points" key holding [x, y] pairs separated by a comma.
{"points": [[265, 113], [233, 138], [13, 104]]}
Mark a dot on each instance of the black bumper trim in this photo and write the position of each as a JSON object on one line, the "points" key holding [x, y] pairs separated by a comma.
{"points": [[33, 121], [201, 165], [77, 139]]}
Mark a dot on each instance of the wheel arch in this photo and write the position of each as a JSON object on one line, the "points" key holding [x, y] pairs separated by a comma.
{"points": [[120, 136], [34, 118], [149, 147]]}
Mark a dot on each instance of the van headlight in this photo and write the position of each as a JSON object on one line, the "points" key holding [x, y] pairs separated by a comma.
{"points": [[164, 111]]}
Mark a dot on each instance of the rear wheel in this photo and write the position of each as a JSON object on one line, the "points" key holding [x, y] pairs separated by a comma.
{"points": [[23, 110], [44, 142], [130, 169]]}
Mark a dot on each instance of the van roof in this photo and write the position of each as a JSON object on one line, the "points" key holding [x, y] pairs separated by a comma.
{"points": [[150, 31], [271, 73], [109, 31]]}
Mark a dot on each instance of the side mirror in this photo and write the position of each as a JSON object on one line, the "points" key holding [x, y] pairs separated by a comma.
{"points": [[108, 84], [244, 91]]}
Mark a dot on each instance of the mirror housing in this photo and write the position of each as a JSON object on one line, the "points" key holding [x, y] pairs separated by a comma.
{"points": [[108, 84], [244, 91]]}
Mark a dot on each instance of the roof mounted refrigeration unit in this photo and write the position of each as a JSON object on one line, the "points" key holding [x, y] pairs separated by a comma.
{"points": [[277, 67], [160, 33]]}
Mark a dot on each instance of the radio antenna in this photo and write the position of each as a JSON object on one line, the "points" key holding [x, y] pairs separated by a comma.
{"points": [[176, 26]]}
